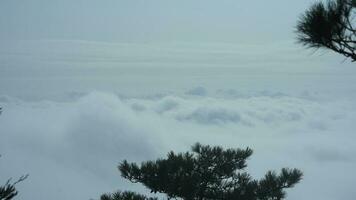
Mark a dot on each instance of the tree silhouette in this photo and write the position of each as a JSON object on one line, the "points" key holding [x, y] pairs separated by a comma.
{"points": [[125, 196], [330, 25], [206, 173], [8, 191]]}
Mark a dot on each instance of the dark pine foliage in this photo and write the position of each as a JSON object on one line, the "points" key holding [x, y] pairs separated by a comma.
{"points": [[206, 173], [125, 196], [330, 25], [8, 191]]}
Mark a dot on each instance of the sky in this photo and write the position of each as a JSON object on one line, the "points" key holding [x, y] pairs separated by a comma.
{"points": [[87, 84], [147, 21]]}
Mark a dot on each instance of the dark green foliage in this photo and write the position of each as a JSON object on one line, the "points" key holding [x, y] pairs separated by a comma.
{"points": [[124, 196], [331, 26], [8, 191], [207, 173]]}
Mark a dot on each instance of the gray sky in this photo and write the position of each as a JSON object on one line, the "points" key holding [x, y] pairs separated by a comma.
{"points": [[150, 20]]}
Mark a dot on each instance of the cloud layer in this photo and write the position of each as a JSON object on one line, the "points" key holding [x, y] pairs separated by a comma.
{"points": [[292, 108], [71, 149]]}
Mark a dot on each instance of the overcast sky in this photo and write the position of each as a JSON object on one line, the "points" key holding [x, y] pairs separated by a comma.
{"points": [[85, 84], [157, 20]]}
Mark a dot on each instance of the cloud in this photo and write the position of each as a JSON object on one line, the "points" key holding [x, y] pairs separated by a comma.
{"points": [[166, 104], [293, 111], [71, 148], [211, 116], [82, 141], [198, 91], [329, 154]]}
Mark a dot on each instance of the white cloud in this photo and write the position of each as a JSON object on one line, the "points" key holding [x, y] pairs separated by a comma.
{"points": [[71, 149], [293, 109]]}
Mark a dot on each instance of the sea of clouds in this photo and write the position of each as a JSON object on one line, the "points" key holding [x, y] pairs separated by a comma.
{"points": [[70, 129], [71, 149]]}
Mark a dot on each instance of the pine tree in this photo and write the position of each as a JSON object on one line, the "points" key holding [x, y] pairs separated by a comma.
{"points": [[8, 191], [331, 26], [205, 173], [125, 196]]}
